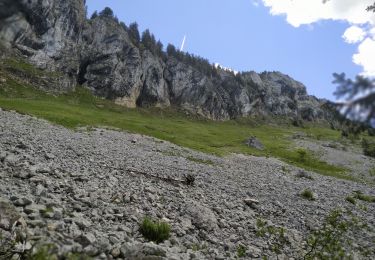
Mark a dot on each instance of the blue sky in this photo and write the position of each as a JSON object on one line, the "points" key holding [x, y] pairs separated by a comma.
{"points": [[244, 36]]}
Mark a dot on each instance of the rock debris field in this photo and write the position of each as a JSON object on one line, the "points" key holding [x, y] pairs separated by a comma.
{"points": [[88, 190]]}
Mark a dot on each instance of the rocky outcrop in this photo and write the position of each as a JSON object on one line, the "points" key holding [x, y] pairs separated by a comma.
{"points": [[98, 53]]}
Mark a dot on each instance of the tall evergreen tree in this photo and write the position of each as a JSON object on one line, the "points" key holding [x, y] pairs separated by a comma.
{"points": [[134, 33], [107, 12], [171, 50], [94, 15]]}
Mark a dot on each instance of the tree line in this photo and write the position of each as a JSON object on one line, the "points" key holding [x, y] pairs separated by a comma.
{"points": [[147, 41]]}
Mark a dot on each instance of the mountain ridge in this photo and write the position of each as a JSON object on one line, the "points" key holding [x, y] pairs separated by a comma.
{"points": [[99, 54]]}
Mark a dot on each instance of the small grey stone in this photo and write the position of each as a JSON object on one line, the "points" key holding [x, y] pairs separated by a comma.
{"points": [[86, 239], [22, 202]]}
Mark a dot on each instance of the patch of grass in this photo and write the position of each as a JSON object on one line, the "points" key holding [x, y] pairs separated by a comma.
{"points": [[198, 160], [26, 69], [43, 252], [351, 200], [308, 194], [303, 174], [155, 231], [275, 235], [302, 154], [368, 147], [80, 108], [198, 247], [285, 169], [241, 251], [368, 198], [372, 172]]}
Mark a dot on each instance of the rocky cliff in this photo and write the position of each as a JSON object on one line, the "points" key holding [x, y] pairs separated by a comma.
{"points": [[99, 54]]}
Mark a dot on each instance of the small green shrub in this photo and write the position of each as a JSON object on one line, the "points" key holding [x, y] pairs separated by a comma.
{"points": [[275, 235], [43, 252], [350, 199], [308, 194], [372, 172], [155, 231], [371, 131], [285, 169], [302, 154], [6, 247], [335, 238], [241, 251], [359, 195], [368, 148]]}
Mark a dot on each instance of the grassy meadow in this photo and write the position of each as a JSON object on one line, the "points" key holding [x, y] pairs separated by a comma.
{"points": [[81, 108]]}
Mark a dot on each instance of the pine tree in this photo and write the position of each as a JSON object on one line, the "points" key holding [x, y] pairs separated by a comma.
{"points": [[107, 12], [134, 33], [171, 50], [94, 15]]}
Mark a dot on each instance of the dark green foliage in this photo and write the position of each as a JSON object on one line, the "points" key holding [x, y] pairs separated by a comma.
{"points": [[359, 195], [123, 25], [297, 122], [302, 154], [360, 97], [159, 49], [334, 239], [134, 33], [148, 39], [94, 15], [308, 194], [241, 251], [368, 148], [155, 231], [149, 42], [199, 63], [43, 252], [351, 200], [275, 235], [171, 50], [371, 131], [190, 179], [107, 12]]}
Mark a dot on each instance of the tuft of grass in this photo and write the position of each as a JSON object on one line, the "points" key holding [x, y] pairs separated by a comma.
{"points": [[155, 231], [368, 198], [198, 160], [308, 194], [302, 154], [241, 251], [372, 172], [351, 200]]}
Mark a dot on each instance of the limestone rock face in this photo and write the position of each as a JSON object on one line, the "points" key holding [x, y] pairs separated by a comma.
{"points": [[154, 90], [48, 32], [98, 53], [109, 64]]}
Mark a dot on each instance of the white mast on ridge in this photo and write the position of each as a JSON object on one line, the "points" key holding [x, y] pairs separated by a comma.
{"points": [[183, 43]]}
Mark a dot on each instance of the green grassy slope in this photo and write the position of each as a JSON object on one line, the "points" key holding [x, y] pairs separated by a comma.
{"points": [[80, 108]]}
